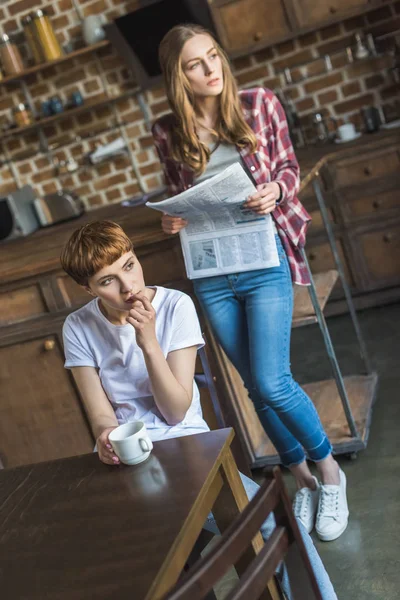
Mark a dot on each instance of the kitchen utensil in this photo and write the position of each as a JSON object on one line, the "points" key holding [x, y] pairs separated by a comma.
{"points": [[10, 56], [45, 35], [372, 121], [321, 126]]}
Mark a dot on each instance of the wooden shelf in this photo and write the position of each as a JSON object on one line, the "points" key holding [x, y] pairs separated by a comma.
{"points": [[361, 393], [72, 112], [52, 63], [303, 312]]}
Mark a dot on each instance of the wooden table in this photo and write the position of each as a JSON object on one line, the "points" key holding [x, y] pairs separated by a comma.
{"points": [[76, 529]]}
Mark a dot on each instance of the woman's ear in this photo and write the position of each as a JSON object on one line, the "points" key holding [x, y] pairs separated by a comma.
{"points": [[89, 291]]}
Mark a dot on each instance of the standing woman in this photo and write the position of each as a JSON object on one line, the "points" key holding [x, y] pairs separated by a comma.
{"points": [[212, 126]]}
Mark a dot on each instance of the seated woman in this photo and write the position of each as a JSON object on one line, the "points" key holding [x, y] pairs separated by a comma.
{"points": [[132, 352]]}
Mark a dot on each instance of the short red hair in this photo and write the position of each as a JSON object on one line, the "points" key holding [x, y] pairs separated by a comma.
{"points": [[92, 247]]}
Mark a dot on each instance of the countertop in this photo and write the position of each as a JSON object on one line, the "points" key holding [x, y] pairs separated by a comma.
{"points": [[39, 252]]}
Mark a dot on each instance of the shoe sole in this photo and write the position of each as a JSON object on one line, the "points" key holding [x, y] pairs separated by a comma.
{"points": [[329, 537]]}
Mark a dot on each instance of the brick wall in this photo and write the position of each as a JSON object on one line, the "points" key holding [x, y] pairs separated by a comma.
{"points": [[340, 93]]}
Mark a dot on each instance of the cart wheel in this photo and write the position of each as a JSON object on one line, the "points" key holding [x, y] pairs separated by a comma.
{"points": [[352, 455]]}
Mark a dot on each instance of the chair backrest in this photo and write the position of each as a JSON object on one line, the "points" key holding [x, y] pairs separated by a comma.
{"points": [[206, 380], [202, 577]]}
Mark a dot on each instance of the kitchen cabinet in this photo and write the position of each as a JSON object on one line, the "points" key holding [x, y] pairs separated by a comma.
{"points": [[249, 24], [310, 13], [41, 417]]}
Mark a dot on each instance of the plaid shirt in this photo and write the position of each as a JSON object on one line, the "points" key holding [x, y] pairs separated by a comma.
{"points": [[274, 160]]}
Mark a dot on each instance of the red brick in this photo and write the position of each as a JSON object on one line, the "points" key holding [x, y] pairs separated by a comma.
{"points": [[161, 107], [103, 169], [149, 169], [374, 81], [132, 189], [6, 103], [39, 90], [14, 144], [146, 142], [368, 66], [2, 15], [354, 24], [264, 55], [95, 8], [323, 82], [85, 118], [113, 195], [142, 157], [253, 75], [350, 89], [10, 26], [339, 60], [153, 183], [6, 188], [110, 181], [292, 93], [272, 83], [64, 5], [393, 91], [69, 77], [294, 60], [25, 168], [379, 14], [121, 162], [43, 175], [285, 47], [354, 104], [41, 163], [327, 97], [14, 8], [330, 32], [241, 63], [95, 200], [60, 22], [305, 104], [317, 67], [386, 27], [335, 45], [82, 190], [133, 131], [158, 93], [50, 188], [308, 39], [91, 86]]}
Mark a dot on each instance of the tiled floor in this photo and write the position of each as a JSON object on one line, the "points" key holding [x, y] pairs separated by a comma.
{"points": [[364, 563]]}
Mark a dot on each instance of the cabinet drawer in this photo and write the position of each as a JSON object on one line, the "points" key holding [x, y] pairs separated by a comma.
{"points": [[243, 24], [364, 169], [381, 250], [310, 12], [374, 205], [20, 304], [321, 259]]}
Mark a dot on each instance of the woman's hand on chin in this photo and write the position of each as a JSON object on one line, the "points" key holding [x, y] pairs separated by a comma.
{"points": [[263, 201]]}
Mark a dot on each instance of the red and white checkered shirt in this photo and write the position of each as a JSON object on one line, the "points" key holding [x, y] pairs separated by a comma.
{"points": [[274, 160]]}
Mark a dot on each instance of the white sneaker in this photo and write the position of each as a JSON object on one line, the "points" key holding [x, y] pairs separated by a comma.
{"points": [[333, 513], [305, 505]]}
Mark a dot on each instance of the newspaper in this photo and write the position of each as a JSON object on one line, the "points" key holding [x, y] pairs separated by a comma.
{"points": [[222, 237]]}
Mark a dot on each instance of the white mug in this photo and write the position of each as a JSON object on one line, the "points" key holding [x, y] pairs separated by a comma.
{"points": [[131, 442], [346, 131]]}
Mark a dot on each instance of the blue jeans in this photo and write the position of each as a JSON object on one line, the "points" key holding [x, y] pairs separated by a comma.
{"points": [[251, 314], [322, 577]]}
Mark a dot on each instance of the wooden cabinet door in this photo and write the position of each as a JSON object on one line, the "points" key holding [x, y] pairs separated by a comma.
{"points": [[244, 25], [381, 251], [312, 12], [41, 417]]}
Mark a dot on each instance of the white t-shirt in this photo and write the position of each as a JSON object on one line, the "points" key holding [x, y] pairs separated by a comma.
{"points": [[90, 340]]}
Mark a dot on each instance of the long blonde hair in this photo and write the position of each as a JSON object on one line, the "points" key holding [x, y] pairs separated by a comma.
{"points": [[231, 126]]}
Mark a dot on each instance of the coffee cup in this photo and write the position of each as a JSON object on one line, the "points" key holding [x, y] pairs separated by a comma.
{"points": [[131, 442], [346, 131]]}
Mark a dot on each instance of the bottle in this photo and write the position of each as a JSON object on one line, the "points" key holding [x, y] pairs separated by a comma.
{"points": [[22, 115], [32, 39], [46, 36], [10, 56]]}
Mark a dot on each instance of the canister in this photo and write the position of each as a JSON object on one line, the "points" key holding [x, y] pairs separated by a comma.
{"points": [[46, 36], [10, 56], [22, 115], [33, 39]]}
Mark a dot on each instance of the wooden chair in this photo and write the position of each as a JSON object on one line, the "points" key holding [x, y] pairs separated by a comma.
{"points": [[202, 577]]}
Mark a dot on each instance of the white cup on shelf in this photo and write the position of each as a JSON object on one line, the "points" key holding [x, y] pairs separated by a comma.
{"points": [[346, 132]]}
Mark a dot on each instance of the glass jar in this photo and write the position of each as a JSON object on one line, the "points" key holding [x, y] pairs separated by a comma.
{"points": [[32, 39], [47, 39], [22, 115], [10, 56]]}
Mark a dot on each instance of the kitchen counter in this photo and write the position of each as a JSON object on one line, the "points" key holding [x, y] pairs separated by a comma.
{"points": [[39, 252]]}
